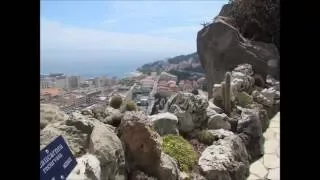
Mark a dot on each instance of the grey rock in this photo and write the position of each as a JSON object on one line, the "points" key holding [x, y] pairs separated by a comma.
{"points": [[76, 139], [107, 147], [87, 112], [142, 146], [244, 99], [139, 175], [113, 116], [50, 113], [88, 168], [190, 110], [225, 159], [165, 123], [270, 94], [136, 116], [261, 99], [219, 121], [250, 131], [168, 168], [220, 133], [213, 107], [81, 122]]}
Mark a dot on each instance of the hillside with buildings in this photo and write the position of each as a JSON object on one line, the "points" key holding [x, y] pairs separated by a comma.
{"points": [[185, 67]]}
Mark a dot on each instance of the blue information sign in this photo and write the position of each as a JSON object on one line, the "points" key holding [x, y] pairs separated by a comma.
{"points": [[56, 160]]}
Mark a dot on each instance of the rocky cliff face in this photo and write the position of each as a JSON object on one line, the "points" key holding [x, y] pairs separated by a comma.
{"points": [[221, 47]]}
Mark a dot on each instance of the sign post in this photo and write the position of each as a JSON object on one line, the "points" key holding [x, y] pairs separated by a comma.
{"points": [[56, 160]]}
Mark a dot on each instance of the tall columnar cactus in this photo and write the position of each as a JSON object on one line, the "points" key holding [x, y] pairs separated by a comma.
{"points": [[226, 93]]}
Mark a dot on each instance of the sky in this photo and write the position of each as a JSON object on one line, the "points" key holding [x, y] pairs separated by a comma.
{"points": [[125, 32]]}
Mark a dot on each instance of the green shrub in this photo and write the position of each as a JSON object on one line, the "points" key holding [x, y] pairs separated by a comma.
{"points": [[116, 101], [131, 106], [181, 150], [206, 137]]}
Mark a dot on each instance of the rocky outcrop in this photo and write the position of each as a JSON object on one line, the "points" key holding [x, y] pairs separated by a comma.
{"points": [[88, 167], [107, 147], [226, 158], [165, 123], [51, 113], [221, 47], [142, 144], [250, 131], [190, 110]]}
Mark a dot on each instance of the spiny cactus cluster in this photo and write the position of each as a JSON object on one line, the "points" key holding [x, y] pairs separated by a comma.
{"points": [[226, 93]]}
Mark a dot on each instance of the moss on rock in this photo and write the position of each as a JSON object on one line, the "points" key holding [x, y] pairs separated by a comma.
{"points": [[181, 150]]}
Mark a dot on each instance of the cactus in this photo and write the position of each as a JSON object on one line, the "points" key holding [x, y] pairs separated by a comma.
{"points": [[131, 106], [226, 93], [116, 101]]}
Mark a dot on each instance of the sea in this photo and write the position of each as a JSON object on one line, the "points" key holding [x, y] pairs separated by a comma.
{"points": [[88, 70]]}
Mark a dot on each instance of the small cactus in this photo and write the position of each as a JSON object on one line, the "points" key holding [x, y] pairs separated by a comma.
{"points": [[226, 93], [116, 102], [131, 106]]}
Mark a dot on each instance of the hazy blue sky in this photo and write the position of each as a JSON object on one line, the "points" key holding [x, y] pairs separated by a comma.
{"points": [[102, 31]]}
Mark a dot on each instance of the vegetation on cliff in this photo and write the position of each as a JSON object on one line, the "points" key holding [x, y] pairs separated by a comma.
{"points": [[257, 20]]}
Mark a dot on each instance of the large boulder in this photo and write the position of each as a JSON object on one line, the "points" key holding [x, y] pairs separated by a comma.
{"points": [[107, 147], [75, 130], [88, 168], [190, 110], [50, 113], [142, 144], [250, 131], [219, 121], [226, 158], [221, 47], [165, 123]]}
